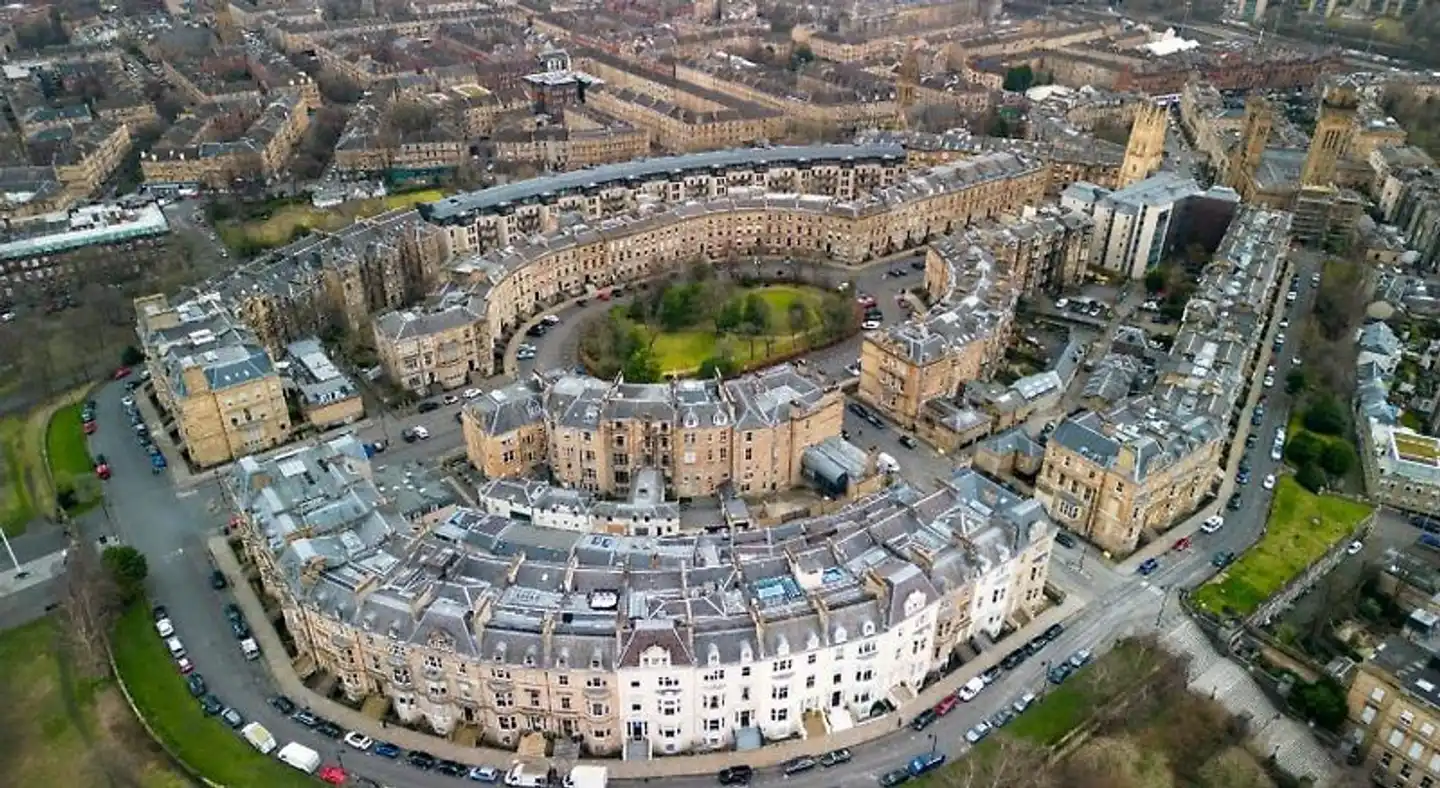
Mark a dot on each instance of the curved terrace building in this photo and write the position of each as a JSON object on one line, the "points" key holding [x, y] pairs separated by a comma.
{"points": [[654, 645], [459, 332]]}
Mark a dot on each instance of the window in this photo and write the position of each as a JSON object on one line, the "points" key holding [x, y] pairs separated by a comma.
{"points": [[782, 665], [1396, 738], [565, 702], [779, 715], [810, 659], [1406, 717], [809, 682], [781, 692]]}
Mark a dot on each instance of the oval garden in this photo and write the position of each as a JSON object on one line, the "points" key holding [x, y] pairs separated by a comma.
{"points": [[704, 325]]}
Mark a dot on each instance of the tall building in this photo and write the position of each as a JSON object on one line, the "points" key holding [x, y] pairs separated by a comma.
{"points": [[1394, 711], [907, 85], [1146, 148], [1133, 226], [1259, 116], [1333, 130]]}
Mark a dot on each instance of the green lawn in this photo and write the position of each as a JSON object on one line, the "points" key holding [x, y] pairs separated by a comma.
{"points": [[682, 352], [204, 743], [65, 442], [281, 227], [1293, 540], [58, 726]]}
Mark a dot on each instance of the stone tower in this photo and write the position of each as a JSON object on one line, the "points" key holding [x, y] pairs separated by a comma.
{"points": [[1259, 116], [907, 85], [1334, 127], [1146, 148]]}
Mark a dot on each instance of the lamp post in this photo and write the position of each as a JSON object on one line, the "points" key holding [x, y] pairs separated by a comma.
{"points": [[8, 551], [933, 744]]}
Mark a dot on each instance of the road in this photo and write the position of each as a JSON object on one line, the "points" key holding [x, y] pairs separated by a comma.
{"points": [[170, 527]]}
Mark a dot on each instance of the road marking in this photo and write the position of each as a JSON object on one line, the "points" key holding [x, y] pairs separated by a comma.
{"points": [[186, 493]]}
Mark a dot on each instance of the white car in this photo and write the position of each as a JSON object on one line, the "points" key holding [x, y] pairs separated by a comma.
{"points": [[1290, 297], [1212, 524], [1284, 322], [1269, 482], [1269, 381], [128, 402], [1295, 362], [421, 433], [1279, 434], [1277, 452], [980, 731], [470, 393], [1355, 547], [450, 399], [551, 320], [358, 740], [1279, 340], [525, 353], [1062, 303], [165, 628], [1023, 702], [870, 325]]}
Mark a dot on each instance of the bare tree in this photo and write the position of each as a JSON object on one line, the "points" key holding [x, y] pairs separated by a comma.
{"points": [[89, 603], [1011, 763]]}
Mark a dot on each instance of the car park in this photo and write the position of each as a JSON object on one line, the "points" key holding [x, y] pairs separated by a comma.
{"points": [[835, 757]]}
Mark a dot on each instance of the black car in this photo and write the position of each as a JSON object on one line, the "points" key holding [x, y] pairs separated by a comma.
{"points": [[893, 778], [427, 406], [196, 684], [211, 705], [1064, 539], [1234, 503], [908, 442], [452, 769], [990, 674], [918, 265], [1014, 659], [858, 410], [158, 612], [537, 330], [232, 613], [329, 729], [1052, 632], [835, 757], [217, 580], [1251, 440], [736, 775], [283, 705], [241, 629], [421, 759], [924, 719]]}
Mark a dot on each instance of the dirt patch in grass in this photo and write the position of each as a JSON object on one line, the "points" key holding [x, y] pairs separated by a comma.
{"points": [[64, 730]]}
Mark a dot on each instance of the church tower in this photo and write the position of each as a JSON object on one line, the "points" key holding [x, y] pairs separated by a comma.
{"points": [[1146, 148], [1334, 129], [907, 85], [1259, 116]]}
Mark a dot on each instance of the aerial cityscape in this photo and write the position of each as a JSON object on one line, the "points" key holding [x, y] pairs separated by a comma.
{"points": [[730, 392]]}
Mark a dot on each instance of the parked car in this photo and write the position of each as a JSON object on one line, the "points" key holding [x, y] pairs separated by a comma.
{"points": [[1212, 524], [196, 684], [217, 580], [1064, 539], [798, 765], [427, 406], [385, 749], [102, 467], [835, 757], [736, 775], [211, 705], [1080, 658], [358, 740], [894, 777], [1222, 559], [1059, 673], [1023, 702], [1355, 547], [304, 717], [946, 705], [282, 704], [908, 442], [421, 759], [329, 729], [1002, 718], [980, 731], [1147, 567], [232, 718], [452, 768], [484, 774], [1269, 482], [924, 719]]}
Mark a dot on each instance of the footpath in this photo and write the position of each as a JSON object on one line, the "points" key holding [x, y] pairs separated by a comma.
{"points": [[288, 682]]}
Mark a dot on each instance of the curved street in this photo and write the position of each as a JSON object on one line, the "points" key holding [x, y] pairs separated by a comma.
{"points": [[172, 527]]}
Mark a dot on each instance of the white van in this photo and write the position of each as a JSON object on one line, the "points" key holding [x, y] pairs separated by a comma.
{"points": [[972, 688], [300, 757], [520, 777], [259, 737], [250, 648], [177, 649]]}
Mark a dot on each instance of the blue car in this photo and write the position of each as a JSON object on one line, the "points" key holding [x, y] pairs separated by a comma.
{"points": [[385, 749], [1148, 567], [928, 762]]}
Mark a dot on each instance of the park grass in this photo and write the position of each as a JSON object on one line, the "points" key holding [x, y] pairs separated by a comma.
{"points": [[204, 743], [280, 227], [1291, 543], [682, 352], [27, 489], [65, 440], [63, 730]]}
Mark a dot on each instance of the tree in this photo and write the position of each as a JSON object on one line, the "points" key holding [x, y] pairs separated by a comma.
{"points": [[89, 602], [724, 366], [757, 313], [338, 88], [1322, 702], [128, 569], [1310, 477], [1303, 448], [1338, 458], [1326, 416], [1233, 768], [731, 316], [1295, 381], [677, 307], [798, 318], [1155, 280], [641, 366], [1116, 762], [1020, 78]]}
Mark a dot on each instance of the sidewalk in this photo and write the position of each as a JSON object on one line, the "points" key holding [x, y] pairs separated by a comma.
{"points": [[289, 683], [31, 573]]}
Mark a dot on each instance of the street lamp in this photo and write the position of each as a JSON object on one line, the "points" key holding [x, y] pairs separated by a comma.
{"points": [[933, 744], [6, 540]]}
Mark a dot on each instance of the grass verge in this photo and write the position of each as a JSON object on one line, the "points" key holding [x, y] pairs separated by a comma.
{"points": [[292, 219], [27, 490], [64, 730], [205, 743], [1300, 528]]}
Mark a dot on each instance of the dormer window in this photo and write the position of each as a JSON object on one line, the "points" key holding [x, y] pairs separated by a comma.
{"points": [[867, 629], [841, 635], [746, 655]]}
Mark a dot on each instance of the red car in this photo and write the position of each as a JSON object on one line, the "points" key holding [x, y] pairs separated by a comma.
{"points": [[122, 372], [1182, 544], [332, 774], [865, 301], [946, 705], [102, 468], [90, 427], [184, 665]]}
